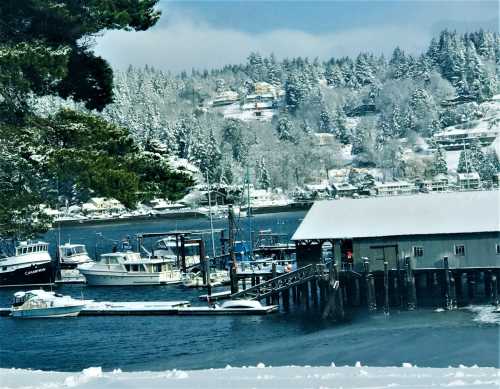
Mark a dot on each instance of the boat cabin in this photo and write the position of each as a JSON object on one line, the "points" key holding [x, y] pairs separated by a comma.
{"points": [[27, 248], [133, 263], [69, 250]]}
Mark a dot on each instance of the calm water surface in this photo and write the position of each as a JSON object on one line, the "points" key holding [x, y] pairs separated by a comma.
{"points": [[423, 337]]}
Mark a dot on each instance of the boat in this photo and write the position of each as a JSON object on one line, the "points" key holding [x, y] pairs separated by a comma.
{"points": [[170, 248], [195, 279], [129, 268], [230, 307], [28, 264], [71, 255], [42, 304]]}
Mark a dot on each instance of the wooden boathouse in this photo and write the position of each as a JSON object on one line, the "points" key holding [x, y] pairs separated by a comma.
{"points": [[440, 249], [463, 227]]}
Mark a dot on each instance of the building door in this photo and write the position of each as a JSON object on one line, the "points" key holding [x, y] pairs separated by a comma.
{"points": [[383, 253]]}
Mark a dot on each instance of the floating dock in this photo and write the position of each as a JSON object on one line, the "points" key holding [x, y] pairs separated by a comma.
{"points": [[133, 308], [160, 308]]}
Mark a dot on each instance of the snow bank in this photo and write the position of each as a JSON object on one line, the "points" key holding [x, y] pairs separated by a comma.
{"points": [[291, 377]]}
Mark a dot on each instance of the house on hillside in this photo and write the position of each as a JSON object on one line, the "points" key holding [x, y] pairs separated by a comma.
{"points": [[394, 188], [424, 229], [467, 181], [439, 183], [102, 205], [343, 189]]}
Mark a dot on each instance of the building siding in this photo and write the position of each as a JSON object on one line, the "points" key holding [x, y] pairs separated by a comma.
{"points": [[480, 251]]}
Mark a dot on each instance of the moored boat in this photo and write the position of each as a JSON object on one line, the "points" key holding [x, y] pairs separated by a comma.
{"points": [[42, 304], [195, 279], [29, 263], [170, 248], [129, 268], [71, 255]]}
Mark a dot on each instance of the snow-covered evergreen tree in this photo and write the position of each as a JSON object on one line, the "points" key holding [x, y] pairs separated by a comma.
{"points": [[439, 165]]}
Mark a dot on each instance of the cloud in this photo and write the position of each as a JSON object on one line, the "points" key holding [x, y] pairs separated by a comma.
{"points": [[180, 42]]}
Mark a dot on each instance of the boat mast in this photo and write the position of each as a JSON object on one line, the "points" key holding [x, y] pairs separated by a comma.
{"points": [[211, 218], [249, 212]]}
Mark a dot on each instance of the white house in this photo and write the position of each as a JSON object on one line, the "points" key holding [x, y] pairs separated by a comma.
{"points": [[102, 205], [394, 188], [468, 180]]}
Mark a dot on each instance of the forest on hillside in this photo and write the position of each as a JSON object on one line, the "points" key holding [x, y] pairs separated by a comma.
{"points": [[376, 105]]}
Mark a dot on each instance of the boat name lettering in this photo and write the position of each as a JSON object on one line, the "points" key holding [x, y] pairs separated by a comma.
{"points": [[34, 271]]}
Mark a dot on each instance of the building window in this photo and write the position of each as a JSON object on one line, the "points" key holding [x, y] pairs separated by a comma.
{"points": [[460, 249], [498, 248], [418, 251]]}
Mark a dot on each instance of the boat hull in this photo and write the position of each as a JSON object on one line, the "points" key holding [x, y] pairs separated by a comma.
{"points": [[33, 274], [47, 312], [125, 279]]}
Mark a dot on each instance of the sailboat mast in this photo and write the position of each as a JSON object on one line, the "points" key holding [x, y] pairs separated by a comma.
{"points": [[249, 212], [211, 218]]}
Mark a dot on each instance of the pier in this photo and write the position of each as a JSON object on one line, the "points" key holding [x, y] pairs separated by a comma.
{"points": [[355, 253]]}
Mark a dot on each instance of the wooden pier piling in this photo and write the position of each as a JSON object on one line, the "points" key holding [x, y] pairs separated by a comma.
{"points": [[369, 287], [386, 287], [410, 284], [448, 304], [494, 290]]}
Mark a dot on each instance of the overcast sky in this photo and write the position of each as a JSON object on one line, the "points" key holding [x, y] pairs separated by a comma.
{"points": [[207, 34]]}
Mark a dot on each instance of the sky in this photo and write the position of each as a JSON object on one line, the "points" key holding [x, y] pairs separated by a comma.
{"points": [[209, 34]]}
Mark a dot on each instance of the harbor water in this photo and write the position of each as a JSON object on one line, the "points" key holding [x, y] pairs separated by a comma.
{"points": [[425, 337]]}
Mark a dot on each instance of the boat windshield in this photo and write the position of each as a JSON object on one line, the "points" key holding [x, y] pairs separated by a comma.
{"points": [[75, 250]]}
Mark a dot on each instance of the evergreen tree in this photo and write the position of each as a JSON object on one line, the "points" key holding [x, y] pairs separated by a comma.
{"points": [[325, 121], [439, 165], [263, 178], [284, 128], [232, 134], [363, 70], [398, 64], [464, 165]]}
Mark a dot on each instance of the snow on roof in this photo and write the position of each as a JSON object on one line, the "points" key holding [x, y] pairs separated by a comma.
{"points": [[468, 176], [392, 184], [436, 213]]}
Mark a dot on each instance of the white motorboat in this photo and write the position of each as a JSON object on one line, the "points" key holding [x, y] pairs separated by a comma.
{"points": [[195, 279], [71, 255], [170, 248], [42, 304], [129, 268], [231, 307], [29, 263]]}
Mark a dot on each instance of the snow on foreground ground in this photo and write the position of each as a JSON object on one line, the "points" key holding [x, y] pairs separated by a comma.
{"points": [[288, 377]]}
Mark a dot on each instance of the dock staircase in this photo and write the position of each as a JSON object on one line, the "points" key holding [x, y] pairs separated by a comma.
{"points": [[283, 282]]}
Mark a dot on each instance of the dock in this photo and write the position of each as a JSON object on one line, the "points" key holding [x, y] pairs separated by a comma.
{"points": [[133, 308], [160, 308]]}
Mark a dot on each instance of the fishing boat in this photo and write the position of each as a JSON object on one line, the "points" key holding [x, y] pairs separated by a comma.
{"points": [[129, 268], [71, 255], [29, 263], [42, 304]]}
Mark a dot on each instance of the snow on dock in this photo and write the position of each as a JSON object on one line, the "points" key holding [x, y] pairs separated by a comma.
{"points": [[216, 296], [289, 377], [156, 308], [106, 308], [216, 310]]}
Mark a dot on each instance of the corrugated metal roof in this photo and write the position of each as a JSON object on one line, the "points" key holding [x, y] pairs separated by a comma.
{"points": [[421, 214]]}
